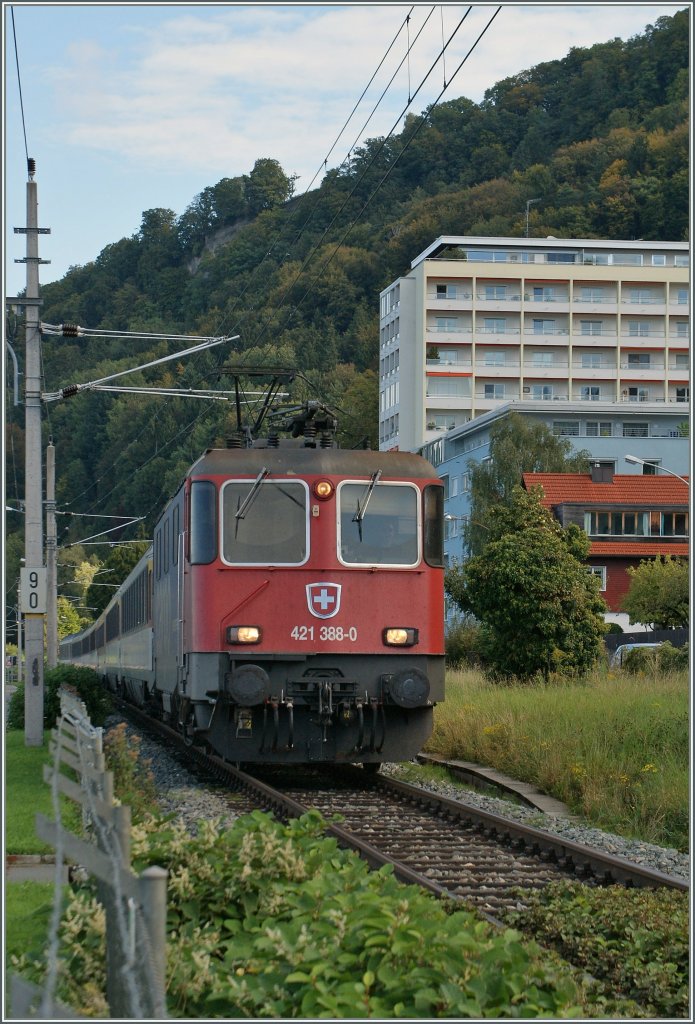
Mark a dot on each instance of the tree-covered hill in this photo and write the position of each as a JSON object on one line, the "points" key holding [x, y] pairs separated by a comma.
{"points": [[602, 135]]}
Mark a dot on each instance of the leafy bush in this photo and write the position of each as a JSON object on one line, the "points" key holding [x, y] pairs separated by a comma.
{"points": [[634, 940], [132, 778], [614, 627], [84, 680], [666, 658], [462, 644], [273, 920]]}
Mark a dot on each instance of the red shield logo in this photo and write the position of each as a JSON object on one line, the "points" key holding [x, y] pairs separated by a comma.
{"points": [[323, 599]]}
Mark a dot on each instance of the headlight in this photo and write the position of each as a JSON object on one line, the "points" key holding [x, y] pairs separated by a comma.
{"points": [[400, 636], [323, 489], [243, 634]]}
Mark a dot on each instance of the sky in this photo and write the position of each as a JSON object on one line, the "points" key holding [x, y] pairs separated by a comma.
{"points": [[128, 107]]}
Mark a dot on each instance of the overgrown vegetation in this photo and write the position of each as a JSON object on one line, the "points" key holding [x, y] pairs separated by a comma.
{"points": [[638, 944], [84, 681], [656, 661], [614, 746]]}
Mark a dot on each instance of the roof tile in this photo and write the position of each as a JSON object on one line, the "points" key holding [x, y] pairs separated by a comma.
{"points": [[628, 489]]}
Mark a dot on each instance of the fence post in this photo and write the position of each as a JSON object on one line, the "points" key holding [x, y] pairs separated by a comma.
{"points": [[153, 895]]}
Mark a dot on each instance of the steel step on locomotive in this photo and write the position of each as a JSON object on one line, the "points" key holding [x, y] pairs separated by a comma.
{"points": [[291, 606]]}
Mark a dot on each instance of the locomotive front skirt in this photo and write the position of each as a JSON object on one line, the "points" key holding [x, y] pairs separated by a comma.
{"points": [[290, 609]]}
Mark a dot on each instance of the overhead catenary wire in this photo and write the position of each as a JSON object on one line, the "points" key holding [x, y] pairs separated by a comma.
{"points": [[416, 130], [19, 83], [323, 164], [377, 153]]}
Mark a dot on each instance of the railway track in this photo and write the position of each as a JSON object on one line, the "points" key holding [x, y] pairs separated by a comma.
{"points": [[446, 846]]}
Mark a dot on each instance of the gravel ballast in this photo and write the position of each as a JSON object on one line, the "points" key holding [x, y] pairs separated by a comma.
{"points": [[181, 793]]}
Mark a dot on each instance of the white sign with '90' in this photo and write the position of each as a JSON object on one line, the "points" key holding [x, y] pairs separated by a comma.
{"points": [[33, 587]]}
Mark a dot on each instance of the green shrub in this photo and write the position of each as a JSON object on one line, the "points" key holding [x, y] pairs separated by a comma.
{"points": [[84, 680], [462, 644], [633, 940], [273, 920], [614, 627], [666, 658]]}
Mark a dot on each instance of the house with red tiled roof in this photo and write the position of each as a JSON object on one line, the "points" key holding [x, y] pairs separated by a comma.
{"points": [[628, 518]]}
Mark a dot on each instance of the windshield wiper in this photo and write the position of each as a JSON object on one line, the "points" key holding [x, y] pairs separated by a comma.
{"points": [[362, 509], [253, 493]]}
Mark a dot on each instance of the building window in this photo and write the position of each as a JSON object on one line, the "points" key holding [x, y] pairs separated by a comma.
{"points": [[638, 329], [674, 524], [592, 294], [543, 294], [658, 260], [682, 296], [590, 393], [446, 291], [650, 467], [542, 358], [639, 360], [682, 332], [494, 325], [642, 296], [495, 359], [447, 323], [458, 387], [541, 392], [635, 430], [592, 360], [683, 394], [493, 391], [597, 428], [617, 524], [566, 428], [495, 291], [544, 326], [591, 326], [600, 571], [638, 394]]}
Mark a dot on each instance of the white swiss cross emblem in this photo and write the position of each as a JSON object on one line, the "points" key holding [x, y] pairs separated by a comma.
{"points": [[323, 599]]}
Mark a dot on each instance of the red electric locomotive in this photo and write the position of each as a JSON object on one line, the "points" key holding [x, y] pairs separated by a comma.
{"points": [[290, 608]]}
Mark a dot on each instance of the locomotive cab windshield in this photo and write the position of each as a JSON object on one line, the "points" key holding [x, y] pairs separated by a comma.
{"points": [[386, 531]]}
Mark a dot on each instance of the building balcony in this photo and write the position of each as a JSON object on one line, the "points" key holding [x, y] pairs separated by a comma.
{"points": [[448, 364], [638, 371], [436, 304], [555, 372], [648, 307], [601, 307]]}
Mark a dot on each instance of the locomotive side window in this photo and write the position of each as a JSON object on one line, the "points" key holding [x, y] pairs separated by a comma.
{"points": [[378, 526], [203, 527], [433, 499], [265, 523]]}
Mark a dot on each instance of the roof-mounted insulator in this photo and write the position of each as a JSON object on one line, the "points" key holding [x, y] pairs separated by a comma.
{"points": [[70, 390], [31, 167]]}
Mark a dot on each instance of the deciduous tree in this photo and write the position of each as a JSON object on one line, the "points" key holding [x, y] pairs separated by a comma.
{"points": [[659, 594], [541, 612]]}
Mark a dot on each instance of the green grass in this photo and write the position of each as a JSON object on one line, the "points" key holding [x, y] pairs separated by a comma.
{"points": [[613, 746], [28, 907], [26, 793]]}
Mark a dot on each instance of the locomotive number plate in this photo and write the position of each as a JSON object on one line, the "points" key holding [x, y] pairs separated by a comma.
{"points": [[348, 633]]}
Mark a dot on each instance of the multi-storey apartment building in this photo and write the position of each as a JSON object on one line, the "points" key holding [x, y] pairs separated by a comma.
{"points": [[480, 322]]}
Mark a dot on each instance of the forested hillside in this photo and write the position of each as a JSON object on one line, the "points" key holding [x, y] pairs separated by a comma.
{"points": [[602, 135]]}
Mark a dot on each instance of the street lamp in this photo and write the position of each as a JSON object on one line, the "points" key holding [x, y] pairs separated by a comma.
{"points": [[643, 462]]}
